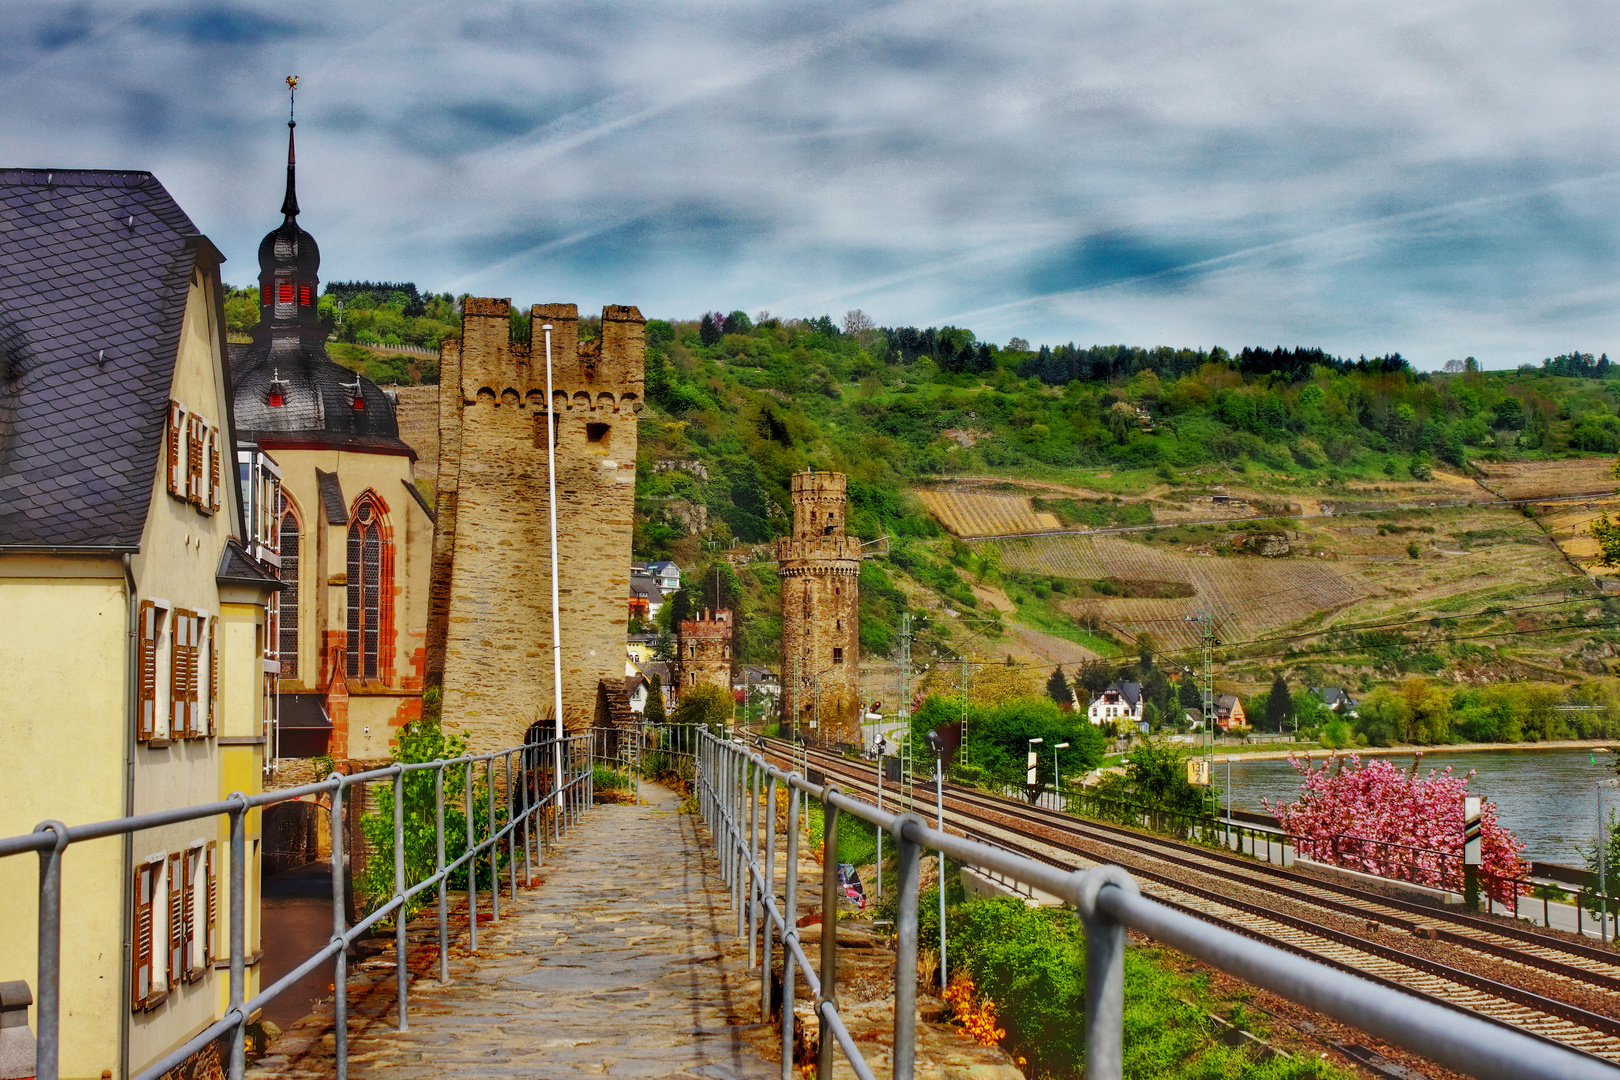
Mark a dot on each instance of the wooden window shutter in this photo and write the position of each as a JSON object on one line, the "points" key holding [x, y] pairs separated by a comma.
{"points": [[140, 969], [213, 676], [177, 675], [177, 916], [147, 663], [194, 721], [177, 450], [211, 905], [216, 442], [188, 925], [198, 432]]}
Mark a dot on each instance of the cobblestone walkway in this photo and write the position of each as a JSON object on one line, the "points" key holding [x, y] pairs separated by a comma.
{"points": [[609, 968]]}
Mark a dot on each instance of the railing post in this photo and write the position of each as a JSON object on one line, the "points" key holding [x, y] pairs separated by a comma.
{"points": [[444, 913], [905, 949], [238, 932], [528, 818], [829, 932], [790, 930], [739, 866], [47, 1049], [494, 844], [401, 973], [472, 861], [340, 927], [1105, 972], [752, 860], [768, 873], [511, 830]]}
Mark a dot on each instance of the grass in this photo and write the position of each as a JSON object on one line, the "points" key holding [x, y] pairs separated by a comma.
{"points": [[1041, 614], [1031, 963]]}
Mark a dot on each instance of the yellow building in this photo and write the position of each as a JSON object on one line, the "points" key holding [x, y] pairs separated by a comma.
{"points": [[354, 533], [132, 657]]}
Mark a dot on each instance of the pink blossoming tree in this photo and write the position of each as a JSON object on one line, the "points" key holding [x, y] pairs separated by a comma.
{"points": [[1380, 820]]}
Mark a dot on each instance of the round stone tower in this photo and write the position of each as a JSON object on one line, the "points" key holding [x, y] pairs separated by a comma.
{"points": [[821, 570]]}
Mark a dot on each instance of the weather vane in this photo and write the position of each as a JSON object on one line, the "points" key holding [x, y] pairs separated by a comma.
{"points": [[292, 93]]}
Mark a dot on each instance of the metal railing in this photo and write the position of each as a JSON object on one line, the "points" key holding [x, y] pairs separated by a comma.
{"points": [[735, 783], [537, 800]]}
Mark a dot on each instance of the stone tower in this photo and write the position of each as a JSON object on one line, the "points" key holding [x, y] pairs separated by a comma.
{"points": [[489, 619], [703, 646], [821, 570]]}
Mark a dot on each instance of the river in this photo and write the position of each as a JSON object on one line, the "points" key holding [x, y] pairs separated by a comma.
{"points": [[1544, 797]]}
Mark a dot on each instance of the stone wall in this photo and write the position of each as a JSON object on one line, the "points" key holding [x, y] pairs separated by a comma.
{"points": [[820, 569], [703, 652], [489, 627]]}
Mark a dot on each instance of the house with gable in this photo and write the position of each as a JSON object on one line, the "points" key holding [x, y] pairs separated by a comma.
{"points": [[136, 605], [1120, 704]]}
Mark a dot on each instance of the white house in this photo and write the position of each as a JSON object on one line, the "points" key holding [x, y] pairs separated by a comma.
{"points": [[666, 574], [1120, 704]]}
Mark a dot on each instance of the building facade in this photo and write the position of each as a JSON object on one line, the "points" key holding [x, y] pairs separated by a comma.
{"points": [[1120, 704], [489, 637], [703, 648], [355, 536], [135, 615], [821, 569]]}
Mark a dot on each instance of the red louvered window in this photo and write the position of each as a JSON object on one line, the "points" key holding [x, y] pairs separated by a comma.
{"points": [[196, 440], [177, 450], [146, 665], [176, 966], [303, 296], [284, 292], [211, 905], [140, 973]]}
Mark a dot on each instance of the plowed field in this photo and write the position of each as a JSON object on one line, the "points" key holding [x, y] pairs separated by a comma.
{"points": [[983, 513], [1545, 479]]}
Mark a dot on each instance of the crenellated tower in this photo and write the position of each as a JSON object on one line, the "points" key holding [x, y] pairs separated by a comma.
{"points": [[703, 651], [821, 569], [489, 626]]}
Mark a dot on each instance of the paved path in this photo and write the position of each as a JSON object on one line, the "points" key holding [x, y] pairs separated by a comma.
{"points": [[608, 968]]}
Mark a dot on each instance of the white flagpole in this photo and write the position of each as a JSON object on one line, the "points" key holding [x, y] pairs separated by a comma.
{"points": [[556, 619]]}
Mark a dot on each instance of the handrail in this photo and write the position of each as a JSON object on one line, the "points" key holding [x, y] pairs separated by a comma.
{"points": [[732, 780], [567, 798]]}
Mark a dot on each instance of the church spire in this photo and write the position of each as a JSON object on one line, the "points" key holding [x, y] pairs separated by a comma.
{"points": [[289, 205]]}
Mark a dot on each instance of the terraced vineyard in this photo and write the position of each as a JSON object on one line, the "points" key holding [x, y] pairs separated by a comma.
{"points": [[1260, 594], [1353, 569], [1546, 479], [984, 513]]}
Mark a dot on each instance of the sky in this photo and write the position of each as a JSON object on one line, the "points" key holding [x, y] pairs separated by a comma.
{"points": [[1437, 179]]}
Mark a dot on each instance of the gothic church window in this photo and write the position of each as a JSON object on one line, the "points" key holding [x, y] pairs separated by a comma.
{"points": [[365, 582], [287, 635]]}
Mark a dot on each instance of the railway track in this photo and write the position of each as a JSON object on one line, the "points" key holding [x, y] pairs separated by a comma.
{"points": [[1515, 951]]}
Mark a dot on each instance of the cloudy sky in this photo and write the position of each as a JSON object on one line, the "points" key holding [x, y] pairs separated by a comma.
{"points": [[1440, 179]]}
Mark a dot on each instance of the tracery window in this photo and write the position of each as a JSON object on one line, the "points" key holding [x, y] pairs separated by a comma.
{"points": [[366, 582], [287, 635]]}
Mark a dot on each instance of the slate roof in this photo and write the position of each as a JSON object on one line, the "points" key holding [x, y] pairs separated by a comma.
{"points": [[236, 565], [332, 501], [94, 268]]}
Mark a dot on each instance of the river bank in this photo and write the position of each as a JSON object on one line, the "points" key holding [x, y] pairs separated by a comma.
{"points": [[1317, 751]]}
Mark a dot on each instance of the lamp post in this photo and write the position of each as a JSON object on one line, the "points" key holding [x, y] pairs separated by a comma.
{"points": [[1057, 789]]}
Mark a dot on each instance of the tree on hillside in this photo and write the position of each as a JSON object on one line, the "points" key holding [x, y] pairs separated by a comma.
{"points": [[709, 332], [1057, 688], [654, 713], [1190, 695], [1279, 705], [1093, 676]]}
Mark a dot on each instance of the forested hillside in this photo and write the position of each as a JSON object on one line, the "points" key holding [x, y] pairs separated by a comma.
{"points": [[1297, 498]]}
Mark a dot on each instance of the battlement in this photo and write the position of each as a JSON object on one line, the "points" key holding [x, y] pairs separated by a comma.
{"points": [[818, 504], [817, 549], [714, 625], [606, 371]]}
